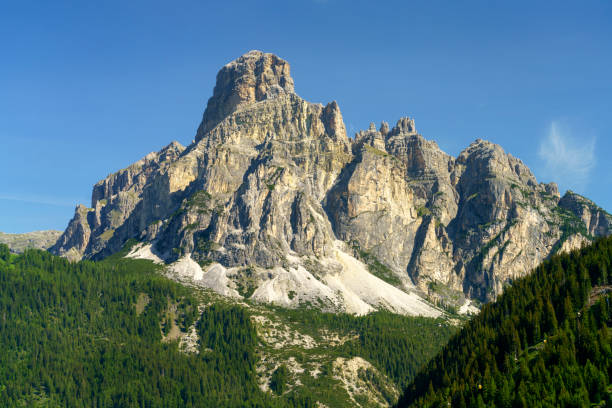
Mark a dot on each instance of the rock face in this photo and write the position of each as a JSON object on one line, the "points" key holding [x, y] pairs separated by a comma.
{"points": [[596, 220], [273, 190], [254, 77]]}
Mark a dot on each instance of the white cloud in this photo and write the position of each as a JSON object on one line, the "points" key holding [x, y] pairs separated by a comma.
{"points": [[568, 160]]}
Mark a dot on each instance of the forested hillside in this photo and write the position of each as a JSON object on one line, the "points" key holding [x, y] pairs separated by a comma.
{"points": [[100, 334], [544, 343]]}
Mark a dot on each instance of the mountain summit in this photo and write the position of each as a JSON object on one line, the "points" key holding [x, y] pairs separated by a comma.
{"points": [[254, 77], [275, 203]]}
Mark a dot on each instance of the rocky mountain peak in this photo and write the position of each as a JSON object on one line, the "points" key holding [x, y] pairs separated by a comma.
{"points": [[404, 125], [333, 122], [275, 203], [174, 147], [596, 220], [484, 157], [370, 137], [253, 77], [384, 128], [553, 189]]}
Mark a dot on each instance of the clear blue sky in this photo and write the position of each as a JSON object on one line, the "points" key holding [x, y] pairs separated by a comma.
{"points": [[87, 88]]}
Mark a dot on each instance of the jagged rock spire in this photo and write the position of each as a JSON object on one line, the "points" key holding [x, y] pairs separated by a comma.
{"points": [[404, 125], [253, 77], [384, 128]]}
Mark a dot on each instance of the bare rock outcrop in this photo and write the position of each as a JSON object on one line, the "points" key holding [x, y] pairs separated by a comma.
{"points": [[253, 77], [597, 221]]}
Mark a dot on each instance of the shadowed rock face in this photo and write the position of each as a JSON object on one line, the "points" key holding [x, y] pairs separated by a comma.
{"points": [[271, 177]]}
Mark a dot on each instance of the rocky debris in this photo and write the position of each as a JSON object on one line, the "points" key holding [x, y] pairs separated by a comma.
{"points": [[362, 379], [304, 358], [189, 341], [18, 243], [373, 207], [338, 283], [272, 182], [144, 251], [279, 336]]}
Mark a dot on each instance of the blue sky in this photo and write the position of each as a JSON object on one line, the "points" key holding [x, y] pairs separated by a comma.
{"points": [[87, 88]]}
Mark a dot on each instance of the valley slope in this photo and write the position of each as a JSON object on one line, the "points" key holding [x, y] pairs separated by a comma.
{"points": [[544, 343], [118, 333]]}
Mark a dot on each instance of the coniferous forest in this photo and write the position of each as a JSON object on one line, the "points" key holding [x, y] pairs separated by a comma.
{"points": [[89, 334], [544, 343]]}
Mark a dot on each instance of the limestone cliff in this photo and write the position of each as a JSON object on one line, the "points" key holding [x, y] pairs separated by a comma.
{"points": [[274, 201]]}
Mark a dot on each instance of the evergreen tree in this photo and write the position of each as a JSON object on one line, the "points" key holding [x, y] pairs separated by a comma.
{"points": [[544, 343]]}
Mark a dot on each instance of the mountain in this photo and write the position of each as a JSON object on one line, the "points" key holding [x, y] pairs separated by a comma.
{"points": [[274, 202], [35, 239], [544, 343]]}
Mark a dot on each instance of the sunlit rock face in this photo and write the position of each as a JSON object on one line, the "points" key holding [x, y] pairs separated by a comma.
{"points": [[274, 183]]}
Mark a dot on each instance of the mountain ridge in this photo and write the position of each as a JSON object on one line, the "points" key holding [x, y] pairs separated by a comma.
{"points": [[273, 184], [35, 239]]}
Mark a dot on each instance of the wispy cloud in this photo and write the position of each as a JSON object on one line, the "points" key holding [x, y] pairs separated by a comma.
{"points": [[568, 160], [39, 200]]}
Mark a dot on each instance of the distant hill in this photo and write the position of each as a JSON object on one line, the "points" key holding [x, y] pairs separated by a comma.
{"points": [[544, 343], [35, 239]]}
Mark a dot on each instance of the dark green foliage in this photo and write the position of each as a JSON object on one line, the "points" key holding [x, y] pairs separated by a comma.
{"points": [[201, 201], [245, 282], [279, 379], [544, 343], [127, 247], [423, 211], [70, 336], [207, 246], [397, 345], [90, 334], [5, 254]]}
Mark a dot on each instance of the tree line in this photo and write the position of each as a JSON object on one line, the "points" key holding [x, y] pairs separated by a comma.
{"points": [[544, 343]]}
